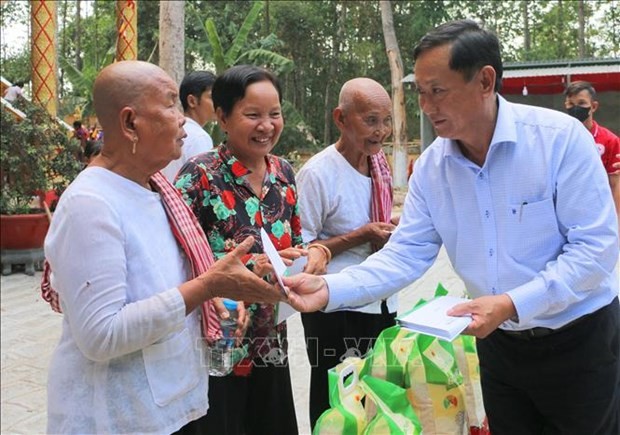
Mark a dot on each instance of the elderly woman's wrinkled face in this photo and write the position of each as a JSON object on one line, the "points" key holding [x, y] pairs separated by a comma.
{"points": [[160, 131], [255, 123]]}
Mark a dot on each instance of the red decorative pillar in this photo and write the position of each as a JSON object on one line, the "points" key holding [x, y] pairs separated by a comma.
{"points": [[127, 28], [43, 54]]}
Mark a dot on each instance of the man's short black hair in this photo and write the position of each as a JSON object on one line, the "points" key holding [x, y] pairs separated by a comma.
{"points": [[471, 48], [195, 83], [580, 85]]}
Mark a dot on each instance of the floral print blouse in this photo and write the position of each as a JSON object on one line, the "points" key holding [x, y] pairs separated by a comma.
{"points": [[214, 185]]}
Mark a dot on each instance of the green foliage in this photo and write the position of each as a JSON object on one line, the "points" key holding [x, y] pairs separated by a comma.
{"points": [[148, 31], [241, 49], [15, 61], [296, 135], [97, 49], [83, 81], [313, 46], [36, 155]]}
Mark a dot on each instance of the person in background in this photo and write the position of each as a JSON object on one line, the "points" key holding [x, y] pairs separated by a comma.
{"points": [[581, 103], [345, 203], [91, 150], [132, 270], [195, 94], [93, 132], [12, 93], [235, 191], [520, 201], [80, 133]]}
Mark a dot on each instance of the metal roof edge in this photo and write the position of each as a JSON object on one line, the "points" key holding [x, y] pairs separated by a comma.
{"points": [[561, 63]]}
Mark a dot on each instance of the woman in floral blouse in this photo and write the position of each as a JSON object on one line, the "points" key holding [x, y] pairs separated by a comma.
{"points": [[234, 191]]}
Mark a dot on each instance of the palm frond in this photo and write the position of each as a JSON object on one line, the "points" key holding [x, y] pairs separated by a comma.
{"points": [[242, 35], [216, 46], [258, 56]]}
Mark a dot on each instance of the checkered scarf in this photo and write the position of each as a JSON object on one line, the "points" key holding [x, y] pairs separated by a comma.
{"points": [[382, 195], [189, 235]]}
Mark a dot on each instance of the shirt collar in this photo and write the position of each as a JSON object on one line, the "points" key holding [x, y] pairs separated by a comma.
{"points": [[239, 170], [594, 129], [505, 130], [189, 120]]}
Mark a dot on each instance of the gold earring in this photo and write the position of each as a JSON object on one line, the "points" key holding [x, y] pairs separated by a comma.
{"points": [[134, 141]]}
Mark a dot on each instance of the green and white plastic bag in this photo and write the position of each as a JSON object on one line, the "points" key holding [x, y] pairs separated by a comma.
{"points": [[346, 414], [394, 413]]}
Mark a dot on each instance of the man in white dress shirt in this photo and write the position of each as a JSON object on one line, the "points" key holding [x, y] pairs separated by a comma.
{"points": [[519, 199], [195, 95]]}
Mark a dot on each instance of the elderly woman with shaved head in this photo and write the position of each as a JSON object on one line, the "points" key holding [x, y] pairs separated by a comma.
{"points": [[345, 202], [134, 273]]}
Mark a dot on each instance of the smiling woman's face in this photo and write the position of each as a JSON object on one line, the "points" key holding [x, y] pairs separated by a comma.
{"points": [[255, 123]]}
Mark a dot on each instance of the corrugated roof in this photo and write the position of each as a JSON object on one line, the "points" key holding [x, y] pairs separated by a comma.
{"points": [[561, 70]]}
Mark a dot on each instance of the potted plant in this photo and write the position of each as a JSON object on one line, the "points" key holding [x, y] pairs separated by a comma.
{"points": [[38, 159]]}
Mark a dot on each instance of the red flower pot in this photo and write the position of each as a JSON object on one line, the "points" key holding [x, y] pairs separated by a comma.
{"points": [[23, 231]]}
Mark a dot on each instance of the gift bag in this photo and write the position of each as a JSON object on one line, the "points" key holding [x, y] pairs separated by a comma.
{"points": [[426, 368], [435, 387], [390, 353], [467, 361], [394, 414], [346, 414]]}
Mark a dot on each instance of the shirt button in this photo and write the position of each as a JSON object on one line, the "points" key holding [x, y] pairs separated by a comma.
{"points": [[481, 175], [487, 214], [514, 211], [494, 290], [490, 252]]}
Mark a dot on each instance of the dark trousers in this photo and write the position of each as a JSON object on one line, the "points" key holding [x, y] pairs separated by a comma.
{"points": [[330, 338], [564, 383], [258, 404]]}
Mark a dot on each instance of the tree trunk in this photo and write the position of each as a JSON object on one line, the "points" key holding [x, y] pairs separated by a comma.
{"points": [[267, 24], [172, 38], [582, 26], [78, 36], [527, 40], [399, 118], [561, 45], [341, 11]]}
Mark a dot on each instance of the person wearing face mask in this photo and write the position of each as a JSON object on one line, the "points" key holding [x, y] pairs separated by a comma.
{"points": [[581, 103]]}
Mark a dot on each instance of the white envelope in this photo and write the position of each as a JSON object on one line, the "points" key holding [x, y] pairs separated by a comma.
{"points": [[284, 310]]}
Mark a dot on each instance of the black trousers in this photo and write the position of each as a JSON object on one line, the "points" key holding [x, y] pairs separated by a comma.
{"points": [[331, 337], [258, 404], [564, 383]]}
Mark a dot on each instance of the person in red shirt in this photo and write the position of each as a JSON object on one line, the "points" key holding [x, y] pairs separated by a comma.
{"points": [[581, 103]]}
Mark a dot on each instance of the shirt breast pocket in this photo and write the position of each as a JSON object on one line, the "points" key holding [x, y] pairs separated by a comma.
{"points": [[171, 368], [533, 234]]}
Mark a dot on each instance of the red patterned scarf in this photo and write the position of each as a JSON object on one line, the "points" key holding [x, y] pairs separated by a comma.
{"points": [[189, 235], [382, 194]]}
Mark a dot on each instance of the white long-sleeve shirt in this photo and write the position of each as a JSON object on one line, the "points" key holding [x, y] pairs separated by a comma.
{"points": [[129, 359], [196, 142], [334, 199], [536, 222]]}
